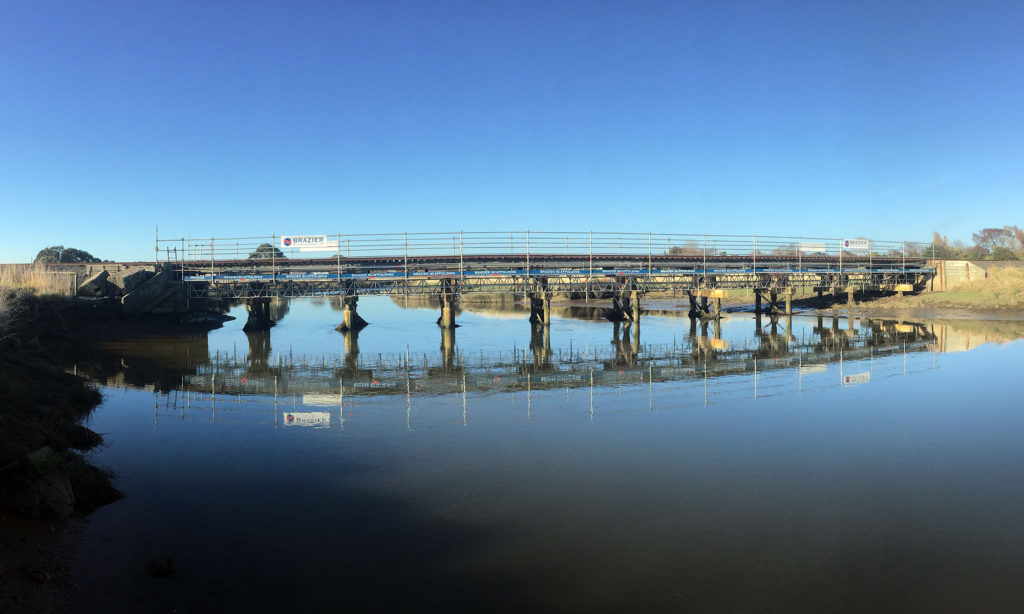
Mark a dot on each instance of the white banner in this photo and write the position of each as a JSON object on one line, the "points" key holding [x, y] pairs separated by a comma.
{"points": [[859, 378], [858, 244], [812, 247], [305, 241], [330, 246], [315, 419]]}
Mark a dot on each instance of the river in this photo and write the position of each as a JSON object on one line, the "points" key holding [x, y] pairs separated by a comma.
{"points": [[802, 465]]}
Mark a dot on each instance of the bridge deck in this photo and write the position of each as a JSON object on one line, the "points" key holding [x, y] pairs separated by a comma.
{"points": [[526, 262]]}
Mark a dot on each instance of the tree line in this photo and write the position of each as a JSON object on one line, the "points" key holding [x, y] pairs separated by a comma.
{"points": [[1006, 243]]}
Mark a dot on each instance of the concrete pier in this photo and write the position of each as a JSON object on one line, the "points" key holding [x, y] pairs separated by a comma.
{"points": [[448, 299], [259, 314], [447, 318], [350, 319], [540, 308]]}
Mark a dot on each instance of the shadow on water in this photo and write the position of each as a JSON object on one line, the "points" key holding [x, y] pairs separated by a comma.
{"points": [[280, 547]]}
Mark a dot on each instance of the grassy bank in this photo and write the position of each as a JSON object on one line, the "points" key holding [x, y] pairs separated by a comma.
{"points": [[35, 279], [1001, 290], [44, 477], [42, 471]]}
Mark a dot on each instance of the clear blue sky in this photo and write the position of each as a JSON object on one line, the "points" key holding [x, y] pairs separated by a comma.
{"points": [[880, 119]]}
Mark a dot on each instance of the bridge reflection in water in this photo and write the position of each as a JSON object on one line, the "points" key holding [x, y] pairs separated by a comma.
{"points": [[828, 351], [625, 361]]}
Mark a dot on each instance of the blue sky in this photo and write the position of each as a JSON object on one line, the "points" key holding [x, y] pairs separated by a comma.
{"points": [[878, 119]]}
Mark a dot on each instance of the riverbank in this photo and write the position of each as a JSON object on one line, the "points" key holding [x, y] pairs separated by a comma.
{"points": [[997, 296], [37, 560], [46, 484], [881, 307]]}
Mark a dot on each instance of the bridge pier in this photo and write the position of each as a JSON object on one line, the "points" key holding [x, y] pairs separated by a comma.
{"points": [[773, 301], [350, 319], [540, 308], [708, 300], [694, 312], [447, 318], [448, 299], [259, 314], [625, 307]]}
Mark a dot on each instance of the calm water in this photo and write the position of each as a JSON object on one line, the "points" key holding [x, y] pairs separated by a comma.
{"points": [[831, 466]]}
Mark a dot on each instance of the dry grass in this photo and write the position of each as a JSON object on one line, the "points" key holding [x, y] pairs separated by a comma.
{"points": [[1003, 287], [34, 278], [7, 312], [20, 278], [1002, 290], [10, 308], [1000, 278]]}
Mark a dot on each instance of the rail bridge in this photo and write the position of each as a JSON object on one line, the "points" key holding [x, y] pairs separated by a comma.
{"points": [[620, 267]]}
